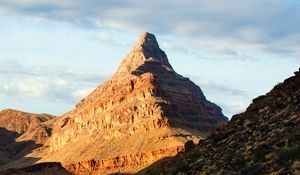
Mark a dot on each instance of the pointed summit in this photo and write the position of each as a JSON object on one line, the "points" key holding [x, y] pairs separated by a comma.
{"points": [[147, 40], [146, 49]]}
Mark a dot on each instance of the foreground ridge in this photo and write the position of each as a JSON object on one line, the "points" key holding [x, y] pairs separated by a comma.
{"points": [[263, 140]]}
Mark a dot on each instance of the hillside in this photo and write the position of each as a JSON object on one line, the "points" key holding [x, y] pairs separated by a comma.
{"points": [[265, 139], [16, 138]]}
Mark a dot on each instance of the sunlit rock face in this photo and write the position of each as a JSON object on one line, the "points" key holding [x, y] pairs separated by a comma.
{"points": [[146, 107], [145, 112]]}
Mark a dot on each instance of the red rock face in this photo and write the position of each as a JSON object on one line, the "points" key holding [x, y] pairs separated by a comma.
{"points": [[129, 162], [146, 87], [144, 113], [145, 103]]}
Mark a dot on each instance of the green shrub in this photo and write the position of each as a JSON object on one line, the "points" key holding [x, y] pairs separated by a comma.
{"points": [[289, 153], [153, 172], [189, 145], [259, 154], [255, 170], [194, 154], [251, 169], [182, 168], [228, 157]]}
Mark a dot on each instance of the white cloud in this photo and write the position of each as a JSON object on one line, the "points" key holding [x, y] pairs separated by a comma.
{"points": [[105, 38], [60, 82], [235, 107], [52, 83], [173, 46], [25, 87], [80, 93]]}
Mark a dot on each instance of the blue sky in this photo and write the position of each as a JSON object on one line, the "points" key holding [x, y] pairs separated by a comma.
{"points": [[53, 53]]}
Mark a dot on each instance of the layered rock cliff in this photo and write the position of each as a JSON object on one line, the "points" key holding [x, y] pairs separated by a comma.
{"points": [[144, 113], [145, 93], [263, 140]]}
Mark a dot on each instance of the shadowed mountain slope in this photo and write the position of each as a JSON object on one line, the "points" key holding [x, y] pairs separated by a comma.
{"points": [[263, 140]]}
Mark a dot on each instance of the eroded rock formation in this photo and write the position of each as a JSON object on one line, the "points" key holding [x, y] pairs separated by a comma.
{"points": [[144, 113]]}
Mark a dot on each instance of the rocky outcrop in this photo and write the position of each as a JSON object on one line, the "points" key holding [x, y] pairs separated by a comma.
{"points": [[144, 98], [144, 113], [144, 94], [263, 140], [126, 163]]}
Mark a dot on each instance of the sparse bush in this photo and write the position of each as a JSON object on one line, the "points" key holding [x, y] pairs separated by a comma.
{"points": [[189, 145], [183, 168], [194, 154], [251, 169], [228, 157], [259, 154], [289, 153], [255, 170], [153, 172]]}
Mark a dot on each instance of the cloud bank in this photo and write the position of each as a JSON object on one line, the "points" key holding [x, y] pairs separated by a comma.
{"points": [[232, 29], [215, 30]]}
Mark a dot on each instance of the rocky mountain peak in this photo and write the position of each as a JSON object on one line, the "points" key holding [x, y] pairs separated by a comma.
{"points": [[147, 40], [145, 50], [144, 113]]}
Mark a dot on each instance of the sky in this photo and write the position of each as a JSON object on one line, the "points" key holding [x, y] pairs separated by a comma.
{"points": [[55, 52]]}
